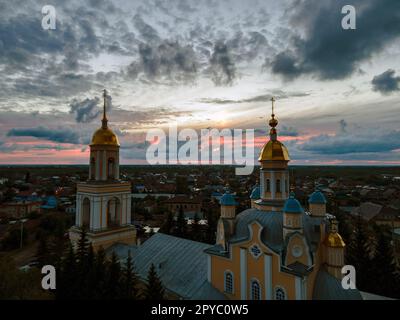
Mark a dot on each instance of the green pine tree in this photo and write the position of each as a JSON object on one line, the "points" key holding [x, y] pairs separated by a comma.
{"points": [[154, 289], [211, 227], [358, 254], [196, 228], [129, 284], [83, 246], [43, 254], [67, 285], [168, 224], [385, 277], [181, 224], [99, 274], [113, 280]]}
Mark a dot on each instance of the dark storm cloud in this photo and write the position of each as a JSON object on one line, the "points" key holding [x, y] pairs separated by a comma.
{"points": [[246, 46], [146, 31], [386, 82], [222, 66], [285, 64], [56, 135], [329, 51], [86, 110], [168, 60]]}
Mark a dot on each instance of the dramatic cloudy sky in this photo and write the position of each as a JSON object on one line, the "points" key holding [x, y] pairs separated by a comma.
{"points": [[203, 64]]}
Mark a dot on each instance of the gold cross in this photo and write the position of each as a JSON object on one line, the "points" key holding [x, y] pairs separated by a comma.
{"points": [[272, 100]]}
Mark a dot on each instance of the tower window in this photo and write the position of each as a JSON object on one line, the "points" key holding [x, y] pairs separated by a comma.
{"points": [[228, 282], [255, 290], [268, 186], [280, 294], [286, 186], [92, 168], [111, 168], [278, 185]]}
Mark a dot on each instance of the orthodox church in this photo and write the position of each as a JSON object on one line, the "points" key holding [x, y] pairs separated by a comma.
{"points": [[103, 202], [274, 250]]}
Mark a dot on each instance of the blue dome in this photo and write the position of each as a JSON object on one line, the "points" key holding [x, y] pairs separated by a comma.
{"points": [[292, 205], [227, 199], [317, 197], [255, 194]]}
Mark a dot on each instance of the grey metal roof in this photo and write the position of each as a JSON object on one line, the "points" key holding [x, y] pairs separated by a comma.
{"points": [[181, 264], [327, 287], [272, 233]]}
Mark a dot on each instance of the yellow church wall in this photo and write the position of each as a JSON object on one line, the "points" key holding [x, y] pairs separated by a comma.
{"points": [[297, 241], [218, 266], [281, 279], [255, 269]]}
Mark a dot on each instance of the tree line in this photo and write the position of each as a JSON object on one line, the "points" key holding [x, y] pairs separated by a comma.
{"points": [[369, 248], [85, 274]]}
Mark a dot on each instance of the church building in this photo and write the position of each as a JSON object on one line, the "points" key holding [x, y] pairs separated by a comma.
{"points": [[103, 202], [275, 250]]}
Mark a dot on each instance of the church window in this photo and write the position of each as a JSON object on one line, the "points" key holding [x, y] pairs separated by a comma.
{"points": [[255, 251], [92, 168], [280, 294], [268, 186], [228, 282], [278, 185], [255, 290], [111, 166]]}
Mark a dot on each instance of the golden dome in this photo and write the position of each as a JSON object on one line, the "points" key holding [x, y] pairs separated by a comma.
{"points": [[274, 150], [334, 240], [105, 136]]}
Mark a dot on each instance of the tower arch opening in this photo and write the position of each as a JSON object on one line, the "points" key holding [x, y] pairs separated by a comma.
{"points": [[86, 213], [113, 212]]}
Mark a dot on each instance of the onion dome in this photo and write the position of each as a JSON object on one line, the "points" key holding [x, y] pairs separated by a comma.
{"points": [[255, 193], [333, 238], [273, 150], [317, 197], [292, 205], [104, 135], [227, 199]]}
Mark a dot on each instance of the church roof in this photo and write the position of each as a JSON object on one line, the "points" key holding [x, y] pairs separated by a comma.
{"points": [[292, 205], [327, 287], [272, 232], [180, 263], [255, 194], [227, 199], [317, 197]]}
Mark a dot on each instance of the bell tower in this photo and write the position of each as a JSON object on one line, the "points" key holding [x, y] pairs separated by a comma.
{"points": [[274, 174], [103, 202]]}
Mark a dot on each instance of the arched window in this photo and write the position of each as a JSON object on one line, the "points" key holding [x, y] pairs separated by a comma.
{"points": [[278, 185], [86, 213], [255, 290], [228, 282], [268, 186], [113, 212], [280, 294], [92, 168], [111, 168]]}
